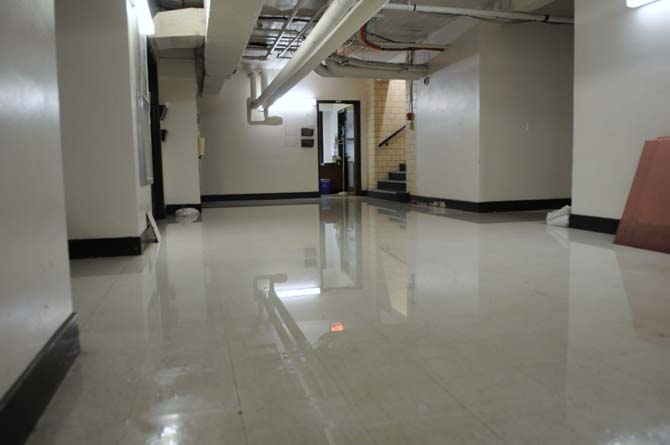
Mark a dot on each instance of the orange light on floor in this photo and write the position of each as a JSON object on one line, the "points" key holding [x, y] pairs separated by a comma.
{"points": [[337, 327]]}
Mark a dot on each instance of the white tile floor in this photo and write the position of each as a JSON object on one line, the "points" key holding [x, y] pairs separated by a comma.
{"points": [[343, 322]]}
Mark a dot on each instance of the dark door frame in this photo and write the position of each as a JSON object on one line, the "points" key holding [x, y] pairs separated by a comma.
{"points": [[342, 146], [157, 191], [357, 142]]}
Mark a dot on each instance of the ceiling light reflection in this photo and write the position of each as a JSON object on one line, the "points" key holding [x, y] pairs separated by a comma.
{"points": [[291, 293]]}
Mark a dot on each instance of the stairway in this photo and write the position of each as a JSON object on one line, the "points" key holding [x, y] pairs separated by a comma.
{"points": [[394, 188]]}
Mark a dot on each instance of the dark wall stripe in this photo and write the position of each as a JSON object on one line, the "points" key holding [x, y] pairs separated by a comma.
{"points": [[26, 400], [259, 196], [172, 208], [499, 206], [105, 247], [594, 224]]}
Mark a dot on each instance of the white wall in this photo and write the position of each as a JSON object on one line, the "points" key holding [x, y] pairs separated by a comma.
{"points": [[526, 112], [447, 126], [138, 54], [495, 123], [622, 98], [253, 159], [35, 296], [103, 195], [181, 176]]}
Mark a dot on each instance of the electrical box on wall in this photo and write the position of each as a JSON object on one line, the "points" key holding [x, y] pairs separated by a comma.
{"points": [[307, 134]]}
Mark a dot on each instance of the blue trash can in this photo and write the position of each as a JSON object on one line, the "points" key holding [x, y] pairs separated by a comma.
{"points": [[325, 186]]}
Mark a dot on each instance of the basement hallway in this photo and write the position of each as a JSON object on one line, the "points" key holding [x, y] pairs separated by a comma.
{"points": [[353, 321]]}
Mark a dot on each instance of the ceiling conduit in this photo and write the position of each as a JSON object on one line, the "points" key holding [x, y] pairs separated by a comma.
{"points": [[481, 13], [339, 22], [337, 66]]}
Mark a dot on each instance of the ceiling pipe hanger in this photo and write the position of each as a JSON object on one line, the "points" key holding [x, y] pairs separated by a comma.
{"points": [[303, 30], [288, 22]]}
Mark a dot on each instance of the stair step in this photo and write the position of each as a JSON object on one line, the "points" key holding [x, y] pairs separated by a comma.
{"points": [[398, 176], [403, 167], [390, 195], [390, 184]]}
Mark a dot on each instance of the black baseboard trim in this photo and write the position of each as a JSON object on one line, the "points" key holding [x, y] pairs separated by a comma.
{"points": [[172, 208], [468, 206], [26, 400], [498, 206], [259, 196], [105, 247], [594, 224]]}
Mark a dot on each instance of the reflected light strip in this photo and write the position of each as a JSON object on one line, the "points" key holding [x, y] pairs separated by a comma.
{"points": [[289, 293]]}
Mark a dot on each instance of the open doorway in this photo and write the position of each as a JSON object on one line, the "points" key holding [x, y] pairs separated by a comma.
{"points": [[339, 128], [157, 191]]}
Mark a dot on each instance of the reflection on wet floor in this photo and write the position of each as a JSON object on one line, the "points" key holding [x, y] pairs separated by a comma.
{"points": [[343, 321]]}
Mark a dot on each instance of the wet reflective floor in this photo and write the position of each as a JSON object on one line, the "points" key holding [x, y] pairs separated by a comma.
{"points": [[354, 322]]}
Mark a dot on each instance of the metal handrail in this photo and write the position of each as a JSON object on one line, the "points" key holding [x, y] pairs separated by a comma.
{"points": [[394, 134]]}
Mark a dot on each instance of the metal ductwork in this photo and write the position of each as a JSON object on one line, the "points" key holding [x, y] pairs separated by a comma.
{"points": [[229, 25], [339, 22], [336, 66]]}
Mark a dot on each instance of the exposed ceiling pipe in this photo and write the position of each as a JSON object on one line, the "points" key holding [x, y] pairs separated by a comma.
{"points": [[280, 18], [344, 67], [389, 46], [284, 28], [267, 119], [274, 32], [254, 46], [377, 65], [481, 13], [303, 30], [336, 26], [331, 18]]}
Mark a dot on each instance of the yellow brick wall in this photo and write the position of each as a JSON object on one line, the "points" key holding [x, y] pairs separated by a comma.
{"points": [[386, 114]]}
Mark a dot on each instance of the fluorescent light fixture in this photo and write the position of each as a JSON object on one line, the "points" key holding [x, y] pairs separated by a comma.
{"points": [[638, 3], [288, 293], [144, 20], [294, 102]]}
